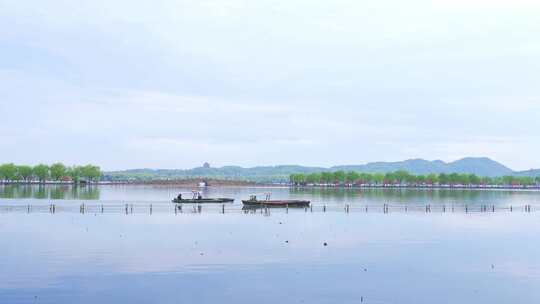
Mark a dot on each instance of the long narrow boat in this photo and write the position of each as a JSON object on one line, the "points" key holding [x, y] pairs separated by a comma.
{"points": [[202, 200], [254, 202]]}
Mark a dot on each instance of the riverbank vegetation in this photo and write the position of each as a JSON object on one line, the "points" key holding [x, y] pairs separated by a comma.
{"points": [[404, 178], [58, 172]]}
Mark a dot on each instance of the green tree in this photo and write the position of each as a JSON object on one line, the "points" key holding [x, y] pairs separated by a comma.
{"points": [[378, 178], [365, 178], [474, 180], [74, 173], [463, 179], [327, 177], [444, 179], [292, 178], [453, 178], [508, 180], [24, 172], [93, 173], [313, 178], [8, 172], [339, 177], [432, 178], [497, 180], [402, 176], [41, 171], [298, 179], [352, 177], [486, 180], [58, 171], [526, 180], [390, 178]]}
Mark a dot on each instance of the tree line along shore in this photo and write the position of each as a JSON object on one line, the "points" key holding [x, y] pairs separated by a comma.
{"points": [[404, 178], [42, 173]]}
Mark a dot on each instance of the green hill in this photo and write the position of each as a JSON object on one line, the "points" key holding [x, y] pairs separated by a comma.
{"points": [[481, 166]]}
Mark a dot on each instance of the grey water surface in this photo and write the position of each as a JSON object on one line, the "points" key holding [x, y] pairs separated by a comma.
{"points": [[294, 257]]}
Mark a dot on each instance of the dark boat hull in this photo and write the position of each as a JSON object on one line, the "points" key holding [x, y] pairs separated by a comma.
{"points": [[276, 203], [203, 200]]}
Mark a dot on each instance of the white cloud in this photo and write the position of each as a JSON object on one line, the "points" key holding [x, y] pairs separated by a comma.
{"points": [[130, 84]]}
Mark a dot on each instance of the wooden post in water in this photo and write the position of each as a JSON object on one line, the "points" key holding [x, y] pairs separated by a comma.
{"points": [[28, 210], [311, 207], [101, 208], [150, 209], [466, 209], [126, 207], [131, 208], [510, 208], [443, 208], [492, 208], [324, 208], [223, 208], [53, 208]]}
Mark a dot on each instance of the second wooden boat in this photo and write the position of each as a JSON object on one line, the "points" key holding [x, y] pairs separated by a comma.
{"points": [[254, 202]]}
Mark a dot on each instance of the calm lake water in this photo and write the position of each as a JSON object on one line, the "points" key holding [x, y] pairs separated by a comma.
{"points": [[208, 257]]}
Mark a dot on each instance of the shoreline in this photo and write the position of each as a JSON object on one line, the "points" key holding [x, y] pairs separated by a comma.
{"points": [[236, 183]]}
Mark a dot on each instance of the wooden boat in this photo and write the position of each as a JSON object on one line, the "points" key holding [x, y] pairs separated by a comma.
{"points": [[198, 199], [203, 200], [254, 202]]}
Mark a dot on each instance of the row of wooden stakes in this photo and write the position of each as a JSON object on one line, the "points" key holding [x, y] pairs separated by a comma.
{"points": [[197, 208]]}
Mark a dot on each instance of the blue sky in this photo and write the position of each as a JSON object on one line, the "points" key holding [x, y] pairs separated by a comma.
{"points": [[171, 84]]}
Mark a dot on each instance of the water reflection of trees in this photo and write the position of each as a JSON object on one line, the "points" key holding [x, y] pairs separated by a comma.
{"points": [[420, 196], [54, 192]]}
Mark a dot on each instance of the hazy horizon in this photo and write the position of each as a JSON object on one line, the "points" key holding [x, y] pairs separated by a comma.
{"points": [[301, 165], [173, 84]]}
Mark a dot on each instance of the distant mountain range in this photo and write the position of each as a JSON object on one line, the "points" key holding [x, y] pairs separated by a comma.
{"points": [[481, 166]]}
